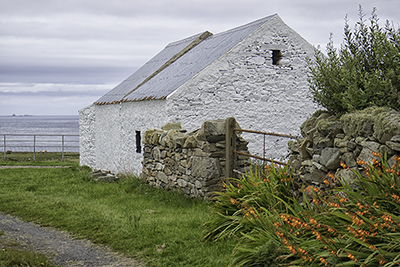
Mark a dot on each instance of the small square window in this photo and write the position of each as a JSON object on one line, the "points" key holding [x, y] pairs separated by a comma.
{"points": [[276, 57]]}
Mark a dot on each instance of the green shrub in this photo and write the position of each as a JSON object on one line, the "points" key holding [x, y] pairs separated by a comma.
{"points": [[364, 72]]}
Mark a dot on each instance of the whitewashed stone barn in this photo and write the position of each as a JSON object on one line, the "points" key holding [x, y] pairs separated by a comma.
{"points": [[256, 73]]}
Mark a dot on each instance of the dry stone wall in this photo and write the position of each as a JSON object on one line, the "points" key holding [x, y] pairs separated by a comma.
{"points": [[191, 162], [327, 142]]}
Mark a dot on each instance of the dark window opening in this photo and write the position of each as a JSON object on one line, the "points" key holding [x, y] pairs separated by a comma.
{"points": [[276, 56], [138, 142]]}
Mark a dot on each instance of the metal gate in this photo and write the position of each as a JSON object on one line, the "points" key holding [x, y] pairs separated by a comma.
{"points": [[231, 152]]}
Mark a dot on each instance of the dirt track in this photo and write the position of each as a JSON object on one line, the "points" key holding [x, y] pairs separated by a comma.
{"points": [[59, 246]]}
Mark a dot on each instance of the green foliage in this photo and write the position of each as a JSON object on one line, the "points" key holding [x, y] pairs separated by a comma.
{"points": [[10, 257], [128, 216], [364, 72], [356, 224]]}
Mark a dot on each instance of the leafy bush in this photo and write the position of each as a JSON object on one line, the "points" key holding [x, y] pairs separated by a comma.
{"points": [[364, 72], [356, 224]]}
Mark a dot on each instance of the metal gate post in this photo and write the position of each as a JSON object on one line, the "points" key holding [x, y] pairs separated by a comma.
{"points": [[230, 146], [34, 148], [5, 148], [62, 153]]}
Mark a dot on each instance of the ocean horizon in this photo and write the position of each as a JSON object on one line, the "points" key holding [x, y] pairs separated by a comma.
{"points": [[21, 132]]}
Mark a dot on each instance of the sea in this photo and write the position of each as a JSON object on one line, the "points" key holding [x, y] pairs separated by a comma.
{"points": [[39, 133]]}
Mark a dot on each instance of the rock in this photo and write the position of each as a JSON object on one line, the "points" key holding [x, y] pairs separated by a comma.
{"points": [[191, 142], [393, 145], [162, 177], [152, 136], [330, 158], [391, 161], [103, 176], [320, 166], [381, 122], [395, 138], [172, 126], [198, 184], [294, 146], [308, 162], [360, 140], [351, 145], [309, 126], [303, 149], [205, 167], [213, 130], [317, 175], [156, 153], [347, 176], [181, 183], [366, 153], [348, 159], [174, 139], [295, 163], [322, 142]]}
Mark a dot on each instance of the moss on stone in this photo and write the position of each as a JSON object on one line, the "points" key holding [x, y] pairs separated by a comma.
{"points": [[310, 123], [382, 120]]}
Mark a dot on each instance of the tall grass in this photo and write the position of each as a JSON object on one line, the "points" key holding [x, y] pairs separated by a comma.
{"points": [[353, 225], [157, 227]]}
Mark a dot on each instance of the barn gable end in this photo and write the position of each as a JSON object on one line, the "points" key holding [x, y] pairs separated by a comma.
{"points": [[256, 73]]}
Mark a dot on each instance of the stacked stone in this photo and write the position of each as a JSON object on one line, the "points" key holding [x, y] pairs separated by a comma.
{"points": [[103, 176], [327, 142], [193, 162]]}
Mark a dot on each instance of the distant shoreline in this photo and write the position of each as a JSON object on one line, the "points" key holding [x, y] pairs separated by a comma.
{"points": [[25, 116]]}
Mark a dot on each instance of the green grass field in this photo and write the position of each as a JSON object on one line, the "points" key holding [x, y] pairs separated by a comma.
{"points": [[128, 216], [38, 157]]}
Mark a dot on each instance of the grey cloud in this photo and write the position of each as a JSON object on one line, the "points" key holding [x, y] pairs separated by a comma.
{"points": [[92, 42], [58, 93], [61, 74]]}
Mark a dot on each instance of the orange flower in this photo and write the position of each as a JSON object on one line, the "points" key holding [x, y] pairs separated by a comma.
{"points": [[396, 197], [360, 162], [233, 201], [323, 261], [376, 154], [313, 221], [351, 256]]}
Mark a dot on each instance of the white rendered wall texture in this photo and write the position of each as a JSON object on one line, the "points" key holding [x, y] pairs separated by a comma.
{"points": [[244, 84], [87, 147], [109, 142]]}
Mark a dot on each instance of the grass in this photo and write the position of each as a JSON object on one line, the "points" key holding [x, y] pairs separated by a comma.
{"points": [[157, 227], [11, 256], [29, 158]]}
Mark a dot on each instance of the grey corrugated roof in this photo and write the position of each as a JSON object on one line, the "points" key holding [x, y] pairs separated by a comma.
{"points": [[184, 68]]}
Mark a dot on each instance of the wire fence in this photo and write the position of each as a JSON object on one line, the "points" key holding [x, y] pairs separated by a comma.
{"points": [[38, 144]]}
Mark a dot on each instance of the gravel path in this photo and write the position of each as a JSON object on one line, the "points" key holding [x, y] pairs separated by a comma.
{"points": [[60, 247]]}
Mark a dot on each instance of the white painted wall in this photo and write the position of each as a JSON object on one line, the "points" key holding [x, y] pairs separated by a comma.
{"points": [[109, 141], [244, 84], [87, 146]]}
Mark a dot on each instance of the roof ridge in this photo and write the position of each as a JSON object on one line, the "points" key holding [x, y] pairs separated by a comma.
{"points": [[187, 39], [250, 24], [174, 58]]}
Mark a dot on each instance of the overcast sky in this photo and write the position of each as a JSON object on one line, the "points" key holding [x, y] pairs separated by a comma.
{"points": [[58, 56]]}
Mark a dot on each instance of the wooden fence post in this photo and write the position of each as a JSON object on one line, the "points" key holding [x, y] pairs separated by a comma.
{"points": [[230, 145]]}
